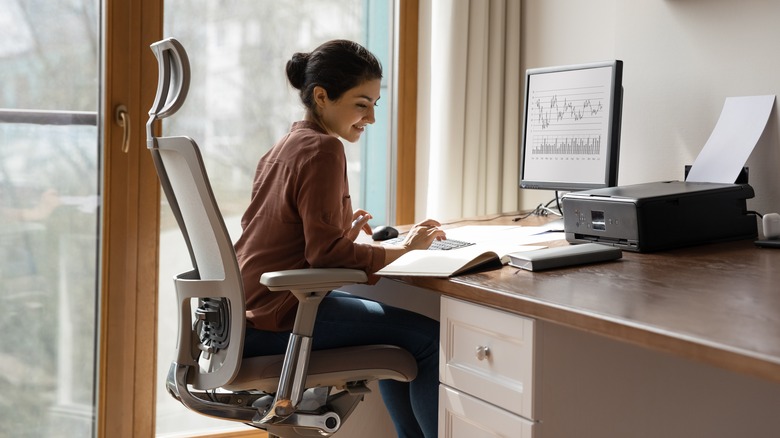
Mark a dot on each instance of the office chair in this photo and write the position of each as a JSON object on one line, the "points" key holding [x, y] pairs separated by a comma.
{"points": [[301, 393]]}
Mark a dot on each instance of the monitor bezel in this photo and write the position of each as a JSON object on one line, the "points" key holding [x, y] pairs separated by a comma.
{"points": [[615, 116]]}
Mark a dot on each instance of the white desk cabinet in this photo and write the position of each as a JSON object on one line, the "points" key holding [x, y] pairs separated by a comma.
{"points": [[503, 374], [486, 370], [464, 416]]}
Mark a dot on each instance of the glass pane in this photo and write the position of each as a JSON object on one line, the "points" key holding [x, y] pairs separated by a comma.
{"points": [[238, 105], [49, 210]]}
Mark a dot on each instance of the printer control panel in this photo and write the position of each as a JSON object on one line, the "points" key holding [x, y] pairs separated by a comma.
{"points": [[610, 221]]}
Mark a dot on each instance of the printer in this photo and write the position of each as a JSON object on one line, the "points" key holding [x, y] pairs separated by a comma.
{"points": [[659, 215]]}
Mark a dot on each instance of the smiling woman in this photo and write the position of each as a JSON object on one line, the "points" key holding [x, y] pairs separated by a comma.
{"points": [[343, 104], [349, 114], [239, 104]]}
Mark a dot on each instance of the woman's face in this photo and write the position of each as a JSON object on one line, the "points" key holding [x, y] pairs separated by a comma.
{"points": [[347, 116]]}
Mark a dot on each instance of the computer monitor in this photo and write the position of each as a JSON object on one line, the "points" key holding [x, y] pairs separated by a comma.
{"points": [[571, 127]]}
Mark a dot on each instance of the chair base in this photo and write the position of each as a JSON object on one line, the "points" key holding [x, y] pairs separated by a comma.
{"points": [[320, 413]]}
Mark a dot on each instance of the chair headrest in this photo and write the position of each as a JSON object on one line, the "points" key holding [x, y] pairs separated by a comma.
{"points": [[173, 79]]}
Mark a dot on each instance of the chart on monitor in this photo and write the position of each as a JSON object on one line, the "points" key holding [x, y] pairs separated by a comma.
{"points": [[571, 129]]}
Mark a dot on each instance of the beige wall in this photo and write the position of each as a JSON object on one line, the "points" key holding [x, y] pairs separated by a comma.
{"points": [[682, 59]]}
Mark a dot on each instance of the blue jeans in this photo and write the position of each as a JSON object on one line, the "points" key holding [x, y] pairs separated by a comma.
{"points": [[344, 320]]}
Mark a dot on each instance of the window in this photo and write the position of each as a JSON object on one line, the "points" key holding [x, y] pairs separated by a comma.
{"points": [[49, 239]]}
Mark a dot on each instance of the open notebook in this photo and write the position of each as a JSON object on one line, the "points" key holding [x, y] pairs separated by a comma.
{"points": [[448, 263], [492, 244]]}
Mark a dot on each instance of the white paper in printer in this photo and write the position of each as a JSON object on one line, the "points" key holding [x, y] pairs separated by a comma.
{"points": [[739, 127]]}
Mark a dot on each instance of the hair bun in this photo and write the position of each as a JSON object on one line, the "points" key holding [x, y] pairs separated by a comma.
{"points": [[296, 69]]}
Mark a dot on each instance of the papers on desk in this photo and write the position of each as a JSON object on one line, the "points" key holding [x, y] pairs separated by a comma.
{"points": [[501, 235], [493, 243], [739, 127]]}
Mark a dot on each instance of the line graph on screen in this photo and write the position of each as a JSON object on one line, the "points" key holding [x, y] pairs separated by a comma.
{"points": [[571, 126], [568, 121]]}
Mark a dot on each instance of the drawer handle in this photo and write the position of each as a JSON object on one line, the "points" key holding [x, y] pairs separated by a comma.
{"points": [[483, 352]]}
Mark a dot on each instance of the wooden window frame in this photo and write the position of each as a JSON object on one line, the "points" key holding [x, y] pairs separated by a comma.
{"points": [[407, 111], [130, 225]]}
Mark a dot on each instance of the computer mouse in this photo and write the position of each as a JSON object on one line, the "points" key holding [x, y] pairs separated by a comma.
{"points": [[384, 232]]}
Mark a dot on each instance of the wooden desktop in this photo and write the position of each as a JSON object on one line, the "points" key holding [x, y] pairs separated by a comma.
{"points": [[684, 342]]}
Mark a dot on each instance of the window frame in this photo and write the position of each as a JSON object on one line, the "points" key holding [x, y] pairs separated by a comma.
{"points": [[130, 223], [406, 100]]}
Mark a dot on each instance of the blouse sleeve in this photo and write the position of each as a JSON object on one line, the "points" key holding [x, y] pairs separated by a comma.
{"points": [[325, 208]]}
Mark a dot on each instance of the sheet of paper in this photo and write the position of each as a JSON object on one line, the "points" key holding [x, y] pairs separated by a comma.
{"points": [[739, 127], [495, 234], [478, 233], [542, 237]]}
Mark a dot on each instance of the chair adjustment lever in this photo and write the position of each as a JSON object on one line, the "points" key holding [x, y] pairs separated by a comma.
{"points": [[358, 388], [329, 422], [279, 411]]}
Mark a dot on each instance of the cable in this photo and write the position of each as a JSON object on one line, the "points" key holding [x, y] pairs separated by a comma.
{"points": [[542, 210], [519, 218]]}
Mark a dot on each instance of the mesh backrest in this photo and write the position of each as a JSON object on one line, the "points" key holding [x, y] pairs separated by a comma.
{"points": [[205, 231], [210, 297], [216, 275]]}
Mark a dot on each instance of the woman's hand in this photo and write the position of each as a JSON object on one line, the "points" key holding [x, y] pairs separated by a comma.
{"points": [[360, 220], [422, 235]]}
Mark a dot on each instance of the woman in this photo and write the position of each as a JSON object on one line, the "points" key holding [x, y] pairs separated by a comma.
{"points": [[301, 216]]}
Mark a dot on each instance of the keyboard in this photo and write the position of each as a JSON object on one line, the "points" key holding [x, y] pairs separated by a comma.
{"points": [[439, 245]]}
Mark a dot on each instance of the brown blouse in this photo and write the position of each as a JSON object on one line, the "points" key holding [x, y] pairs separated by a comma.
{"points": [[298, 217]]}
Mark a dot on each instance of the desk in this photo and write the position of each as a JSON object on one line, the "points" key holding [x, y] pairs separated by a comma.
{"points": [[707, 315], [716, 303]]}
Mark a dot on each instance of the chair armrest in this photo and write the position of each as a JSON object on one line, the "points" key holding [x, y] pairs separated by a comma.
{"points": [[309, 286], [312, 280]]}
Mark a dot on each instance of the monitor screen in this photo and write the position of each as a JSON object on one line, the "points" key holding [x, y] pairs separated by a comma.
{"points": [[571, 127]]}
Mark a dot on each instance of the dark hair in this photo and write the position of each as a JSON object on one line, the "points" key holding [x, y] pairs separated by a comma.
{"points": [[336, 66]]}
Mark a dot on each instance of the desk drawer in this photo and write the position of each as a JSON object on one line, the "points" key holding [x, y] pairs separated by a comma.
{"points": [[488, 354], [463, 416]]}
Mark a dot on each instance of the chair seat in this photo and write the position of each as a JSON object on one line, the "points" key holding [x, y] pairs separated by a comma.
{"points": [[332, 367]]}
